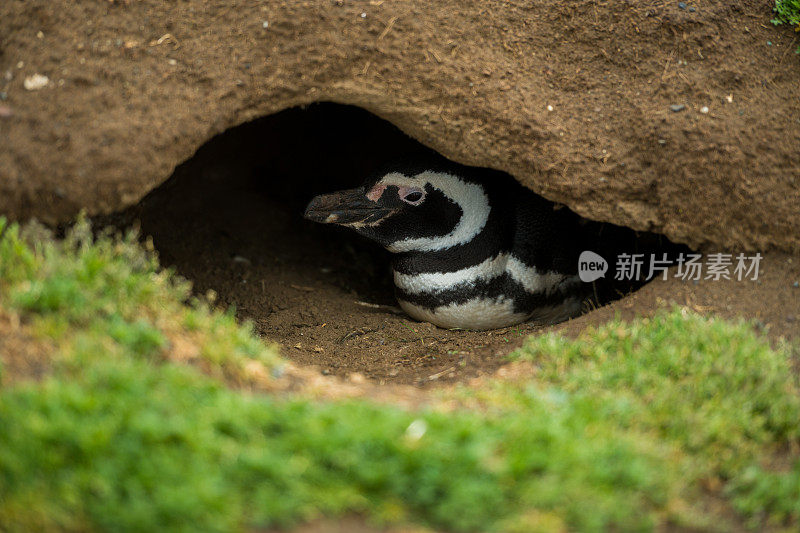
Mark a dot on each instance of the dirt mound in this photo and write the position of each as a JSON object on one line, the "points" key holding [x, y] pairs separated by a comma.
{"points": [[572, 98]]}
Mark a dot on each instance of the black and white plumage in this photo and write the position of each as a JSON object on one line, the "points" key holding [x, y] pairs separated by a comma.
{"points": [[472, 248]]}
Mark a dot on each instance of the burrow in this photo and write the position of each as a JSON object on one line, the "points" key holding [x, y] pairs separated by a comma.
{"points": [[230, 220]]}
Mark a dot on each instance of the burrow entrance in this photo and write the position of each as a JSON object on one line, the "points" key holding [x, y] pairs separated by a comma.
{"points": [[230, 220]]}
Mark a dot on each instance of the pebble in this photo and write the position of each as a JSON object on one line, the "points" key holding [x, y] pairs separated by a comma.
{"points": [[35, 82], [704, 109], [692, 9], [682, 5], [265, 24], [675, 108]]}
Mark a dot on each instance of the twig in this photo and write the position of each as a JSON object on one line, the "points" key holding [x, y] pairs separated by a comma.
{"points": [[390, 308], [439, 374], [666, 66], [387, 28]]}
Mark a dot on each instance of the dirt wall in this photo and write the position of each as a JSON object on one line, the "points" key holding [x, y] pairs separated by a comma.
{"points": [[572, 98]]}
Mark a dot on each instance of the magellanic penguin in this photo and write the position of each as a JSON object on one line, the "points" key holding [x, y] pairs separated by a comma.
{"points": [[472, 248]]}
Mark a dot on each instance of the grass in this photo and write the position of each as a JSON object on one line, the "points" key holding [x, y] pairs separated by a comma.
{"points": [[631, 426], [787, 12], [131, 447], [713, 389], [108, 294]]}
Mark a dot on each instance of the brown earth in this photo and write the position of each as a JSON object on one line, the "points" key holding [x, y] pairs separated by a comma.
{"points": [[136, 86]]}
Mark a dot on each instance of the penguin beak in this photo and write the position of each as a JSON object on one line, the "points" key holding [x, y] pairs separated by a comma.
{"points": [[346, 207]]}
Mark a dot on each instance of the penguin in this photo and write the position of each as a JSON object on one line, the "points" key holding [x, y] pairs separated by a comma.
{"points": [[471, 247]]}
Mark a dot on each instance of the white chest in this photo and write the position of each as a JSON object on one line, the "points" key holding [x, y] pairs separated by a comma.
{"points": [[479, 313]]}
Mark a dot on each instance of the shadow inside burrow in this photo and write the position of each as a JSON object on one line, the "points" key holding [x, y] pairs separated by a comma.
{"points": [[238, 202]]}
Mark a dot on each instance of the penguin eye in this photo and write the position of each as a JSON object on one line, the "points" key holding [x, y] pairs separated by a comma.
{"points": [[411, 196]]}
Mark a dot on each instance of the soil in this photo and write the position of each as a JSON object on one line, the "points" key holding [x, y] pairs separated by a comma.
{"points": [[230, 220], [572, 98]]}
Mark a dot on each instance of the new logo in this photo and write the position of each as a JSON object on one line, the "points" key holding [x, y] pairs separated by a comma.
{"points": [[591, 266]]}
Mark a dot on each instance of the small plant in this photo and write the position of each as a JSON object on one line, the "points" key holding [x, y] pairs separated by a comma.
{"points": [[788, 12]]}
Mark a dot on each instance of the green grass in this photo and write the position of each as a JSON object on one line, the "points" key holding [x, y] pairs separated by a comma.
{"points": [[130, 447], [787, 12], [713, 389], [109, 294], [624, 428]]}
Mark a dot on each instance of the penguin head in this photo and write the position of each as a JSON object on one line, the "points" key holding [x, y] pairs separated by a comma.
{"points": [[408, 210]]}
